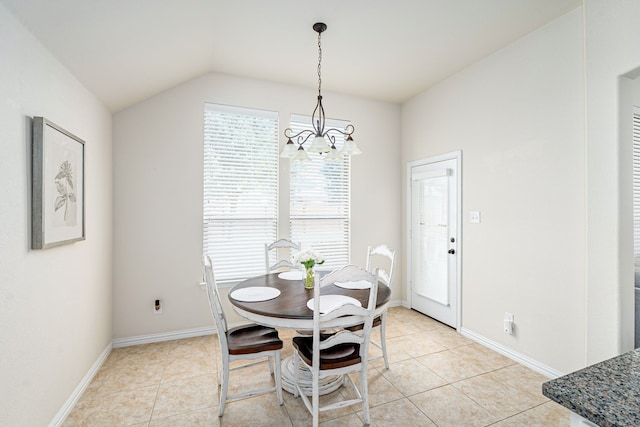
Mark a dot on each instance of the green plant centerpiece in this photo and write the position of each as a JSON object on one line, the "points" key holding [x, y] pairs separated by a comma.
{"points": [[309, 258]]}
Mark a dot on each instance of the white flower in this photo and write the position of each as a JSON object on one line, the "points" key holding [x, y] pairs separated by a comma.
{"points": [[308, 258]]}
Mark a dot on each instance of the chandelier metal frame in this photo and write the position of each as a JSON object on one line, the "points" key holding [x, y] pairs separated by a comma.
{"points": [[324, 141]]}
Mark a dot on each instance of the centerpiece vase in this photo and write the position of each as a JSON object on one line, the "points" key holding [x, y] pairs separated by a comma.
{"points": [[309, 279]]}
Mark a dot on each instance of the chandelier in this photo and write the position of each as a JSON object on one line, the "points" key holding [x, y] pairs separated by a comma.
{"points": [[324, 139]]}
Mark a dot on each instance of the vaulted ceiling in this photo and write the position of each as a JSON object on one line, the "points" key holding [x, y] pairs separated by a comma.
{"points": [[125, 51]]}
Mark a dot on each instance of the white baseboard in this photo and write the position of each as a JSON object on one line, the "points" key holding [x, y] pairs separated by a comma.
{"points": [[514, 355], [163, 336], [187, 333], [62, 414]]}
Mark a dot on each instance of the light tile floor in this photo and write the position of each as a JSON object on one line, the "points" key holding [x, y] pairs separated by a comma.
{"points": [[436, 377]]}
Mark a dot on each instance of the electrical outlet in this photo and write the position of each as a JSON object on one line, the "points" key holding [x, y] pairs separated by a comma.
{"points": [[508, 323], [474, 217], [157, 307]]}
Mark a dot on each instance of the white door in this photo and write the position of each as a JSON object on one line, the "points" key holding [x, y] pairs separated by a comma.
{"points": [[434, 238]]}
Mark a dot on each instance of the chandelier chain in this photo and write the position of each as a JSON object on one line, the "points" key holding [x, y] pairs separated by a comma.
{"points": [[319, 62]]}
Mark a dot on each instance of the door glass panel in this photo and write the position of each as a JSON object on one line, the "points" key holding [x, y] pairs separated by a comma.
{"points": [[433, 238]]}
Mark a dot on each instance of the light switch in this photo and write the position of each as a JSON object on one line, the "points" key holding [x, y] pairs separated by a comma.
{"points": [[474, 217]]}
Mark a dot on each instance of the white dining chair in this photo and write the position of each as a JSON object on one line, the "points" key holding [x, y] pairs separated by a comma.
{"points": [[242, 343], [280, 263], [375, 254], [340, 353]]}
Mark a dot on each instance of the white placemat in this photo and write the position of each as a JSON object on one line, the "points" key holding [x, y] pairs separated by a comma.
{"points": [[292, 275], [360, 284], [331, 302], [255, 293]]}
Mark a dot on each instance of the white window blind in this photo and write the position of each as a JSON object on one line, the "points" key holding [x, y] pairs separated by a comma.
{"points": [[319, 211], [240, 188], [636, 182]]}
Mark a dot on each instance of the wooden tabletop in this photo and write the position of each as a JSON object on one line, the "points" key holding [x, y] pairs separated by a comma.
{"points": [[292, 301]]}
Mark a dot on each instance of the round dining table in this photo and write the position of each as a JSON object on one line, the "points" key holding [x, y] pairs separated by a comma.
{"points": [[289, 311]]}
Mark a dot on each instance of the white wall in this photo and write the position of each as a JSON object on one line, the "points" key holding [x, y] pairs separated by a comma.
{"points": [[55, 304], [636, 91], [612, 50], [518, 117], [158, 159]]}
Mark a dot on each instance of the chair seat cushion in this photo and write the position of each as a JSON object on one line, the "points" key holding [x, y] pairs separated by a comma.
{"points": [[376, 323], [253, 338], [338, 356]]}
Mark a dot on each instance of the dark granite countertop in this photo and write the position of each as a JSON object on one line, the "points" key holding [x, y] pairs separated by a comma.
{"points": [[607, 393]]}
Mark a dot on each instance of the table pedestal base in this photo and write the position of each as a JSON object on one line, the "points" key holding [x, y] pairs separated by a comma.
{"points": [[326, 386]]}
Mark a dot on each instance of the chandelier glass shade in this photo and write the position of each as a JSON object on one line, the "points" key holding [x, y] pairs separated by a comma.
{"points": [[323, 140]]}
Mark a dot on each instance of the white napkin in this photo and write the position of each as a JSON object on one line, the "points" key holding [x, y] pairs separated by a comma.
{"points": [[360, 284], [255, 293], [331, 302], [292, 275]]}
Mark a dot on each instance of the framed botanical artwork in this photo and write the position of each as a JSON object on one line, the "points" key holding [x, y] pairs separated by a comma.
{"points": [[57, 184]]}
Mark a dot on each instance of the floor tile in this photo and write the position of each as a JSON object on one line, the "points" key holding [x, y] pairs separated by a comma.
{"points": [[201, 418], [125, 377], [411, 377], [448, 338], [187, 366], [380, 389], [451, 366], [420, 344], [203, 345], [399, 412], [300, 415], [351, 420], [548, 414], [121, 408], [448, 407], [499, 399], [256, 411], [139, 354], [185, 395], [436, 377], [482, 357], [395, 352], [522, 378]]}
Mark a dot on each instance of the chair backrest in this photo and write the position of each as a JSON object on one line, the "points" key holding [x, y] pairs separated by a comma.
{"points": [[364, 315], [215, 304], [385, 274], [279, 244]]}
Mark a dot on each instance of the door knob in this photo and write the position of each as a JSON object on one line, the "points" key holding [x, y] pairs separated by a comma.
{"points": [[452, 251]]}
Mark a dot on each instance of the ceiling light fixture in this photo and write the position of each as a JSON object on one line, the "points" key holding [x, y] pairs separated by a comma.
{"points": [[324, 140]]}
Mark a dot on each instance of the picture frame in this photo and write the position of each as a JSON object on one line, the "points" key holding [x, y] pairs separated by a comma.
{"points": [[57, 184]]}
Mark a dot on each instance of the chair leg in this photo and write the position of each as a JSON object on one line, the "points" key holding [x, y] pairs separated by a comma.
{"points": [[383, 339], [364, 391], [278, 376], [315, 399], [225, 386], [270, 362], [296, 373]]}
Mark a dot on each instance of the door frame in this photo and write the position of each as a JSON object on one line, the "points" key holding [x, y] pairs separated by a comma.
{"points": [[454, 155]]}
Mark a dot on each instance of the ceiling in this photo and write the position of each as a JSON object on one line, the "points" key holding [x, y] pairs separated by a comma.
{"points": [[125, 51]]}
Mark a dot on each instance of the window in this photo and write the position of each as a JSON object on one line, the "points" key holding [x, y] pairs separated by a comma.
{"points": [[240, 188], [319, 204]]}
